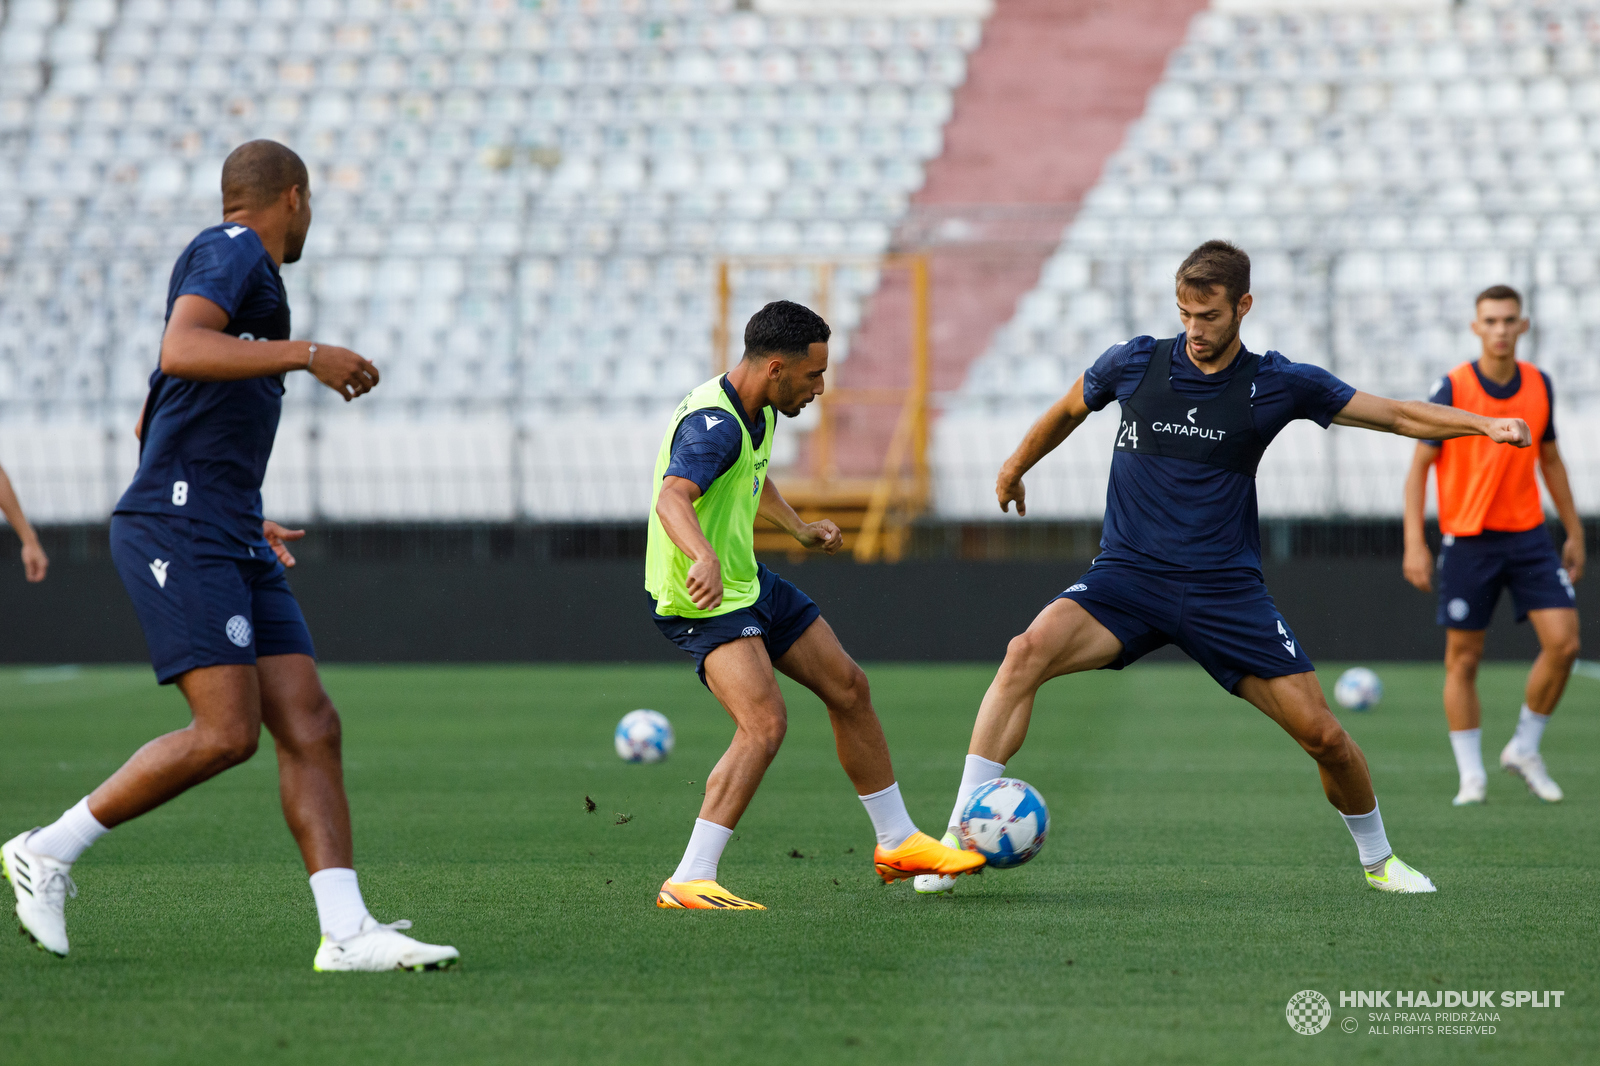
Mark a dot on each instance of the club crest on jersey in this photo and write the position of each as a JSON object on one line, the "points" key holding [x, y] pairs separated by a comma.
{"points": [[755, 485]]}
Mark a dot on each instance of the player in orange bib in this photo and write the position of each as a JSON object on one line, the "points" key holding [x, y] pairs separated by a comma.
{"points": [[1494, 538]]}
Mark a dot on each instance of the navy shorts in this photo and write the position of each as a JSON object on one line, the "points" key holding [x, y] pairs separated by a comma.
{"points": [[204, 598], [1228, 624], [1473, 570], [779, 617]]}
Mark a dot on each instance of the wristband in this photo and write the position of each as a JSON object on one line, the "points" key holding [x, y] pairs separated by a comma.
{"points": [[311, 354]]}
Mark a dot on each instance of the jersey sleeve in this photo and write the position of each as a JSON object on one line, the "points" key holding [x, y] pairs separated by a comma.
{"points": [[1318, 395], [705, 447], [1444, 392], [1550, 392], [1100, 381], [219, 269]]}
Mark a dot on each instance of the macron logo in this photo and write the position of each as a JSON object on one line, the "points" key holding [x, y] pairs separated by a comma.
{"points": [[712, 423], [159, 569], [234, 231]]}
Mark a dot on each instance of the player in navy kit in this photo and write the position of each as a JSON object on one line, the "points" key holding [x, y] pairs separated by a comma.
{"points": [[1181, 548], [206, 572]]}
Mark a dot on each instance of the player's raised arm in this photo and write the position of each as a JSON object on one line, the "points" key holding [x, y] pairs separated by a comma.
{"points": [[34, 561], [1429, 421], [195, 348], [1044, 436], [819, 534], [675, 508]]}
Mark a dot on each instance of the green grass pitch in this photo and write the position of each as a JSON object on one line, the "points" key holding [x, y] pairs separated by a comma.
{"points": [[1194, 880]]}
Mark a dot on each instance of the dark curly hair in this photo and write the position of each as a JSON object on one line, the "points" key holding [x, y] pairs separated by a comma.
{"points": [[784, 328]]}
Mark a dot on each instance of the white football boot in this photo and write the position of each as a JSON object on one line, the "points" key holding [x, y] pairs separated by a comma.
{"points": [[42, 885], [939, 884], [1474, 790], [378, 947], [1397, 876], [1531, 769]]}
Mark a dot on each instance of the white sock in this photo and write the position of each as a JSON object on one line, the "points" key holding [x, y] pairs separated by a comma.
{"points": [[70, 835], [340, 908], [700, 858], [1371, 841], [887, 809], [1530, 728], [976, 771], [1468, 746]]}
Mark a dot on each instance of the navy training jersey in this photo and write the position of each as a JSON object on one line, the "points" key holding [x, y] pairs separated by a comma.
{"points": [[708, 442], [1179, 516], [205, 444]]}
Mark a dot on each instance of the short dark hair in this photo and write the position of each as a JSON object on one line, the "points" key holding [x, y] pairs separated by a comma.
{"points": [[1499, 292], [257, 173], [784, 327], [1216, 263]]}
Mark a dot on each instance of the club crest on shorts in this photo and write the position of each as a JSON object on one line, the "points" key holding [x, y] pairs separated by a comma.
{"points": [[1079, 587], [238, 630], [751, 631], [1457, 609]]}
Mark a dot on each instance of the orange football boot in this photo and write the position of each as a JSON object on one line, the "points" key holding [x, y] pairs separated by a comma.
{"points": [[921, 854], [701, 896]]}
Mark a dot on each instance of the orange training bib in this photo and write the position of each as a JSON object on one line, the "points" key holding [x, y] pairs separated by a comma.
{"points": [[1484, 485]]}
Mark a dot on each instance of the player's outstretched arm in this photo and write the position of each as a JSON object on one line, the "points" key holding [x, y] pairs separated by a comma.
{"points": [[195, 348], [820, 534], [675, 508], [34, 561], [1429, 421], [1418, 563], [1044, 436], [1555, 479]]}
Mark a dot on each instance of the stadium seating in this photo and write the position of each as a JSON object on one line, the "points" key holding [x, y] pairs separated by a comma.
{"points": [[518, 206], [1381, 167]]}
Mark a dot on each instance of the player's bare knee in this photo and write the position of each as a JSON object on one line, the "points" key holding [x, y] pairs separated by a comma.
{"points": [[767, 727], [1564, 649], [321, 730], [226, 746], [855, 695], [1026, 656], [1463, 662], [1327, 743]]}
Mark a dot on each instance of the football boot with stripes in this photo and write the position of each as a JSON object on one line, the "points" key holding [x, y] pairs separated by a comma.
{"points": [[701, 896], [42, 885], [1531, 769], [921, 855]]}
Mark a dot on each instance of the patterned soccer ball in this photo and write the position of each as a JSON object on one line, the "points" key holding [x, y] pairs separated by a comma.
{"points": [[644, 736], [1005, 820], [1358, 689]]}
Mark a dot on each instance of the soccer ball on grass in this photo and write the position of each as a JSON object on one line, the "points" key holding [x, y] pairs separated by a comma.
{"points": [[1005, 821], [1358, 689], [644, 736]]}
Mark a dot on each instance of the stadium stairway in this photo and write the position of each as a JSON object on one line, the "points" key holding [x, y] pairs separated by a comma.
{"points": [[1049, 96]]}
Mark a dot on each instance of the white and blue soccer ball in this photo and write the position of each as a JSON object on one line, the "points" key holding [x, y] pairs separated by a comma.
{"points": [[1358, 689], [644, 736], [1005, 821]]}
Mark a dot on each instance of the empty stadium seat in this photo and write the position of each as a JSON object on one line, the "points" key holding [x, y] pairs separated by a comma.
{"points": [[481, 171]]}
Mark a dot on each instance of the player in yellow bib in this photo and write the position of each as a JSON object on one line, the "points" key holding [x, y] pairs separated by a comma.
{"points": [[740, 620]]}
